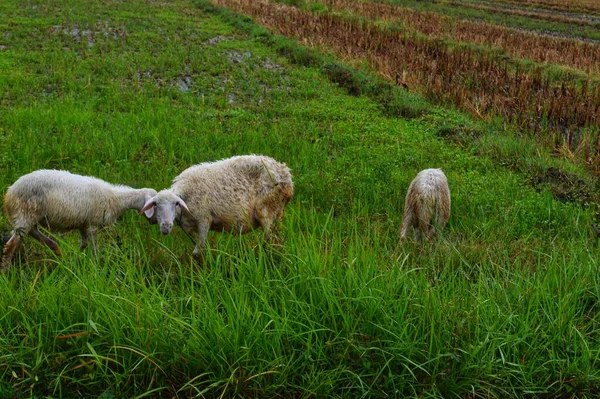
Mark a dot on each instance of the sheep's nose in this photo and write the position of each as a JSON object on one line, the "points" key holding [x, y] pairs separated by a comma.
{"points": [[165, 228]]}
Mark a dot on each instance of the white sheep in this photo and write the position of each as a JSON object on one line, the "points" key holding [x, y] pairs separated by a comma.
{"points": [[62, 201], [234, 195], [427, 204]]}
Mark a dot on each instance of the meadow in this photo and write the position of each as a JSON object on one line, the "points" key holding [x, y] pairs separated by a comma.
{"points": [[504, 304]]}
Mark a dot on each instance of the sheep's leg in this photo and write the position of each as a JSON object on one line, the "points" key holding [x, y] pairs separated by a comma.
{"points": [[84, 239], [417, 233], [424, 228], [433, 226], [35, 233], [266, 216], [431, 233], [88, 234], [267, 225], [92, 234], [203, 227], [10, 248]]}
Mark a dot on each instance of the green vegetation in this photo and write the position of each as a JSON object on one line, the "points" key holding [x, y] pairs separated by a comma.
{"points": [[504, 304]]}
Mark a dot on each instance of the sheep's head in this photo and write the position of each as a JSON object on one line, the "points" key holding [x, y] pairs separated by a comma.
{"points": [[164, 206]]}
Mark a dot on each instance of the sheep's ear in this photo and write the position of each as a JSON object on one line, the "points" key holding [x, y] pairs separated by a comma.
{"points": [[148, 208], [180, 203]]}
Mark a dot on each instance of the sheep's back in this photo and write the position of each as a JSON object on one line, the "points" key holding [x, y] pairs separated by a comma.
{"points": [[427, 191], [214, 190], [58, 198], [230, 187]]}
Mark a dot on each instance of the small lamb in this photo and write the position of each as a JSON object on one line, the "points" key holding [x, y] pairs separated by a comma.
{"points": [[427, 204], [63, 201], [234, 195]]}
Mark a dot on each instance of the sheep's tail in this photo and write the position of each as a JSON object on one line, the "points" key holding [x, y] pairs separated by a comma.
{"points": [[427, 209], [407, 222], [11, 205], [20, 213]]}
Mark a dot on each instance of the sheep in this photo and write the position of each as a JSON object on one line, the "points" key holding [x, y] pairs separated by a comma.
{"points": [[427, 204], [234, 195], [63, 201]]}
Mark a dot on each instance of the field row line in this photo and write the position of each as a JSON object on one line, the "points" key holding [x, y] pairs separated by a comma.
{"points": [[572, 6], [545, 15]]}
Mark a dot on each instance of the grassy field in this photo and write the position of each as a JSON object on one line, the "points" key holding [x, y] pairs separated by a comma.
{"points": [[503, 305]]}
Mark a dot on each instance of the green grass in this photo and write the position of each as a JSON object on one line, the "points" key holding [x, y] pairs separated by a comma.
{"points": [[503, 305]]}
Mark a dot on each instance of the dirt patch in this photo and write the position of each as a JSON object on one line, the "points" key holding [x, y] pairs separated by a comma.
{"points": [[343, 77], [270, 65], [216, 40], [299, 56], [89, 36], [565, 186], [184, 83], [238, 57], [461, 135]]}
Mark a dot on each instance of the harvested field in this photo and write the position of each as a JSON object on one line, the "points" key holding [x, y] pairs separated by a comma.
{"points": [[476, 81], [570, 52], [548, 15], [580, 6]]}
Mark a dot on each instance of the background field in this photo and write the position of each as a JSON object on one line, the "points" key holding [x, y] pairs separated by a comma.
{"points": [[503, 305]]}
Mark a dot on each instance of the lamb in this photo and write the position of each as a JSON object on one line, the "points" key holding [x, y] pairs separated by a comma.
{"points": [[234, 195], [427, 204], [63, 201]]}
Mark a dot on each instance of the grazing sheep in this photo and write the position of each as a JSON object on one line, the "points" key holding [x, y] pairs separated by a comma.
{"points": [[427, 204], [64, 201], [235, 195]]}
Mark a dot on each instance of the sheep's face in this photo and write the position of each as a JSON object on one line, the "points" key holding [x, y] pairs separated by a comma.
{"points": [[166, 206]]}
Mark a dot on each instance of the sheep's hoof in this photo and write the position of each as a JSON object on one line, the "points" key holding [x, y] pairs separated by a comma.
{"points": [[198, 256], [275, 240]]}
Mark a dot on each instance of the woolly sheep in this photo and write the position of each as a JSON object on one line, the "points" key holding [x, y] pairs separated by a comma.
{"points": [[63, 201], [427, 204], [234, 195]]}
